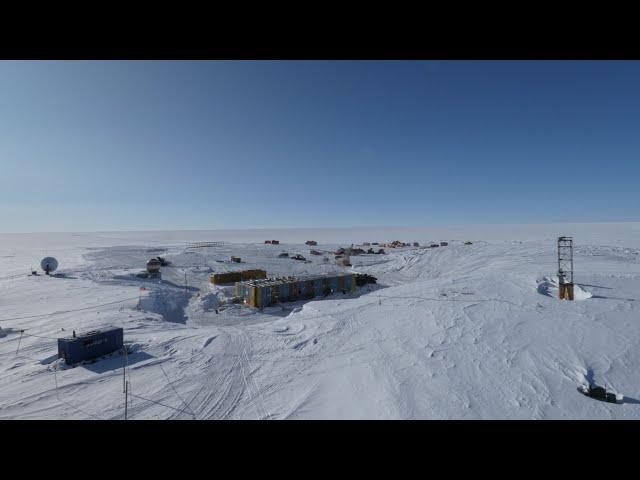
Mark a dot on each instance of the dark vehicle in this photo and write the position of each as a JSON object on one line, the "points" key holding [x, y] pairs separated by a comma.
{"points": [[599, 393], [297, 256], [153, 266]]}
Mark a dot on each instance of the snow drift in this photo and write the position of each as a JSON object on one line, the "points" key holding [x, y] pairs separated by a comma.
{"points": [[452, 332]]}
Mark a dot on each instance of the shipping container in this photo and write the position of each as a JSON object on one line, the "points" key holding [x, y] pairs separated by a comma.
{"points": [[90, 345]]}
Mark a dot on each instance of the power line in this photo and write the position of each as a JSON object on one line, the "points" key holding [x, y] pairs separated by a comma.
{"points": [[176, 392], [158, 403], [68, 311]]}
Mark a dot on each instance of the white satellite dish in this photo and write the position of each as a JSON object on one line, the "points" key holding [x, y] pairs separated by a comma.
{"points": [[49, 264]]}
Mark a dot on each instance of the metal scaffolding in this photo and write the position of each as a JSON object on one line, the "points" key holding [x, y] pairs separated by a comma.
{"points": [[565, 267]]}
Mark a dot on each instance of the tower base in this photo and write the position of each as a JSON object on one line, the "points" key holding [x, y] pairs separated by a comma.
{"points": [[565, 292]]}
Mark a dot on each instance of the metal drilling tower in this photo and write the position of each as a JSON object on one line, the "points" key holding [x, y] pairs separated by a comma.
{"points": [[565, 268]]}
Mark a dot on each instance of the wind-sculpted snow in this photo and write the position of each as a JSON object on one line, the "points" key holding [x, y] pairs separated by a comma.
{"points": [[550, 287], [461, 331]]}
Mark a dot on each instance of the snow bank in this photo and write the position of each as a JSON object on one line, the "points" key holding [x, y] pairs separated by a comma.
{"points": [[170, 304], [549, 286]]}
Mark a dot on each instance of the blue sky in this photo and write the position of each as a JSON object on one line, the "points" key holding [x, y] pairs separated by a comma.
{"points": [[194, 145]]}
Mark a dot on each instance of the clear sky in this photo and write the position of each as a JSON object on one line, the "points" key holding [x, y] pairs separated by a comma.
{"points": [[196, 145]]}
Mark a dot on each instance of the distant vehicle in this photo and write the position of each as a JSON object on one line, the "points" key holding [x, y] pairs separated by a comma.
{"points": [[236, 259], [443, 244], [311, 242], [297, 256], [380, 251], [468, 243], [434, 245], [600, 393], [416, 244], [153, 266]]}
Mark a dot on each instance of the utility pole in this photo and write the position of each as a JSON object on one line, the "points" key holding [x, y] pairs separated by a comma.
{"points": [[124, 368], [126, 394], [19, 340]]}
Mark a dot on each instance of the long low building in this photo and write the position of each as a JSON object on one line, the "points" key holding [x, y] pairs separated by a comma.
{"points": [[262, 293], [236, 276]]}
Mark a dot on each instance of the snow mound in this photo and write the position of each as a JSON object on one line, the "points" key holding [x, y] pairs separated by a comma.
{"points": [[170, 304], [206, 302], [549, 286]]}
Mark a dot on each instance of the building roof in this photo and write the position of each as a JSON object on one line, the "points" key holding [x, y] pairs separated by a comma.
{"points": [[90, 333], [267, 282]]}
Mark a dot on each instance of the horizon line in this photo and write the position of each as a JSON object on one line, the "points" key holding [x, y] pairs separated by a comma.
{"points": [[314, 228]]}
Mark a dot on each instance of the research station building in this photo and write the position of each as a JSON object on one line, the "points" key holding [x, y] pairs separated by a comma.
{"points": [[262, 293]]}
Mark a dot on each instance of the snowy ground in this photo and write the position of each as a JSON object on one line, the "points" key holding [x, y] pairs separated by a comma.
{"points": [[463, 331]]}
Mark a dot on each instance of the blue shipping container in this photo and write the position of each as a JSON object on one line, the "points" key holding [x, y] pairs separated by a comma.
{"points": [[90, 345]]}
